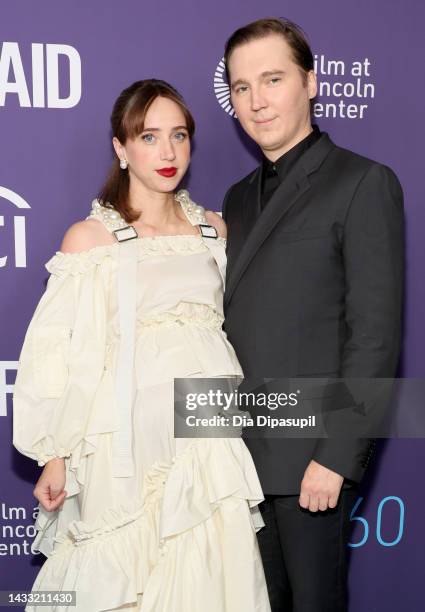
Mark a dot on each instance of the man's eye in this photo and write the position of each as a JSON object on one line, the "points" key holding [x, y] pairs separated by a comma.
{"points": [[180, 136], [275, 80], [148, 138], [241, 89]]}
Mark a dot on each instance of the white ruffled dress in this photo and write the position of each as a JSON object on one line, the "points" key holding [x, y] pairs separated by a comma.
{"points": [[150, 523]]}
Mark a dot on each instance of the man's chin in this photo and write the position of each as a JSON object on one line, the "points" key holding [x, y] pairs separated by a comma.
{"points": [[269, 145], [265, 140]]}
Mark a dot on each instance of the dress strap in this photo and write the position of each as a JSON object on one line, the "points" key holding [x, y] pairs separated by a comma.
{"points": [[196, 216], [122, 452], [194, 213], [113, 221], [107, 215]]}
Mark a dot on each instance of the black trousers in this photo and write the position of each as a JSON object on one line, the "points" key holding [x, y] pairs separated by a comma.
{"points": [[305, 553]]}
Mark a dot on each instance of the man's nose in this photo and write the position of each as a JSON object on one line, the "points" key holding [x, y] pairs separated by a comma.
{"points": [[258, 101]]}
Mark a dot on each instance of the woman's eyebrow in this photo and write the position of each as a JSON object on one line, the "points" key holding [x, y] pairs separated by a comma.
{"points": [[153, 129]]}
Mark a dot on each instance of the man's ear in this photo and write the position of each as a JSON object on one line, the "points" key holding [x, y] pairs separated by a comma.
{"points": [[311, 84]]}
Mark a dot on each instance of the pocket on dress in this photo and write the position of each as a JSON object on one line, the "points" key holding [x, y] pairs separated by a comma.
{"points": [[51, 359]]}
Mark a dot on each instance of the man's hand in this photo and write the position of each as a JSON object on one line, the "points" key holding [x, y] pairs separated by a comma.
{"points": [[320, 487]]}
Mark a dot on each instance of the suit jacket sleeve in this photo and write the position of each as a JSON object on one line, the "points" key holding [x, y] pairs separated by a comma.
{"points": [[373, 251]]}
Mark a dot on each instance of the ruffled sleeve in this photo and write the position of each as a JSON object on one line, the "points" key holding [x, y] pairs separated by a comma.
{"points": [[62, 357]]}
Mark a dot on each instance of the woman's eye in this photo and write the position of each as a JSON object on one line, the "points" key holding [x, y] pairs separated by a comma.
{"points": [[275, 80], [148, 138], [241, 89], [180, 136]]}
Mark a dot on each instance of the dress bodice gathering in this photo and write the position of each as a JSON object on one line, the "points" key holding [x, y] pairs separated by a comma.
{"points": [[178, 278]]}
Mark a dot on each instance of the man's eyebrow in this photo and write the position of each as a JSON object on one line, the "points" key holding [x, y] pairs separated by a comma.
{"points": [[270, 72], [264, 74], [238, 82]]}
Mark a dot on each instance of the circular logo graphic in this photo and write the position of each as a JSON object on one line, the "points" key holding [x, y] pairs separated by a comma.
{"points": [[13, 197], [222, 89]]}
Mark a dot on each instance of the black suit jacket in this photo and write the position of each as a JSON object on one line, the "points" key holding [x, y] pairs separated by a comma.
{"points": [[314, 288]]}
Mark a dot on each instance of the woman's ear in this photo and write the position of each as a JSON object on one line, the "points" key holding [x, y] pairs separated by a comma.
{"points": [[119, 149]]}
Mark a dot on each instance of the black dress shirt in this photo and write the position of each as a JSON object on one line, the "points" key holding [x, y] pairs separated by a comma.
{"points": [[274, 173]]}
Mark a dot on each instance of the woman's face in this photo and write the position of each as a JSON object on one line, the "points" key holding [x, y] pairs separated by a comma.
{"points": [[160, 155]]}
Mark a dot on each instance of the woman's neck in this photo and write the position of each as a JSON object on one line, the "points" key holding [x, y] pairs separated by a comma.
{"points": [[155, 209]]}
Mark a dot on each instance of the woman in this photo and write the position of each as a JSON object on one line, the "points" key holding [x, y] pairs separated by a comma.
{"points": [[129, 517]]}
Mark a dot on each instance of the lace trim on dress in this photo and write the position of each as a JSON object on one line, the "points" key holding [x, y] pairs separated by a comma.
{"points": [[112, 219], [78, 263], [185, 313]]}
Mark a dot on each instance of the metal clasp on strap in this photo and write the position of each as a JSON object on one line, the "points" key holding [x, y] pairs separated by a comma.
{"points": [[125, 233], [208, 231]]}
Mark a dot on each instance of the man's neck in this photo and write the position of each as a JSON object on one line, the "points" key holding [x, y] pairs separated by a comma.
{"points": [[277, 153]]}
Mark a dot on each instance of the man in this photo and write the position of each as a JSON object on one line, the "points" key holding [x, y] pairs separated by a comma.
{"points": [[314, 289]]}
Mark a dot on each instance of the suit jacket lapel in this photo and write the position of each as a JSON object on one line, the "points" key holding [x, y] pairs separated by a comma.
{"points": [[251, 205], [249, 212], [282, 200], [285, 196]]}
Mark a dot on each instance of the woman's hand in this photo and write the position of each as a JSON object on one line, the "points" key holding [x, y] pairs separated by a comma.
{"points": [[49, 489]]}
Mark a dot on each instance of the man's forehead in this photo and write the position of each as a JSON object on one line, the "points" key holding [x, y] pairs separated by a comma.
{"points": [[260, 55]]}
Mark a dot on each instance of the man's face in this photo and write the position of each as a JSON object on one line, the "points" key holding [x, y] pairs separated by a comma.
{"points": [[270, 95]]}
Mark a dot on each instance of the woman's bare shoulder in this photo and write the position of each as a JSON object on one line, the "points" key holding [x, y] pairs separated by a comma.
{"points": [[216, 221], [85, 235]]}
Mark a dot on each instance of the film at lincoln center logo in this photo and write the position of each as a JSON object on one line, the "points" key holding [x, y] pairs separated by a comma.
{"points": [[222, 89]]}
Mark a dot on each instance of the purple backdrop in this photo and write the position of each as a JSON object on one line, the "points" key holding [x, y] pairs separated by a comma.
{"points": [[55, 152]]}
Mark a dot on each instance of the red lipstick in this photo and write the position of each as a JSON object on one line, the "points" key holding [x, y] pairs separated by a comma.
{"points": [[167, 172]]}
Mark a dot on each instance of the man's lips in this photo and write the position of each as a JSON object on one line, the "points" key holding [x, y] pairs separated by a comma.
{"points": [[263, 121], [167, 172]]}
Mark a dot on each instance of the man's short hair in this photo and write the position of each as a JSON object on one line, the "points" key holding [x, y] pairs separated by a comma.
{"points": [[290, 31]]}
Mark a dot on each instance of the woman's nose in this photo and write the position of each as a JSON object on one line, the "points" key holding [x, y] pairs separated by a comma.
{"points": [[167, 151]]}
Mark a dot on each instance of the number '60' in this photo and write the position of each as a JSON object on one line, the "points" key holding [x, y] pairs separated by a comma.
{"points": [[365, 524]]}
